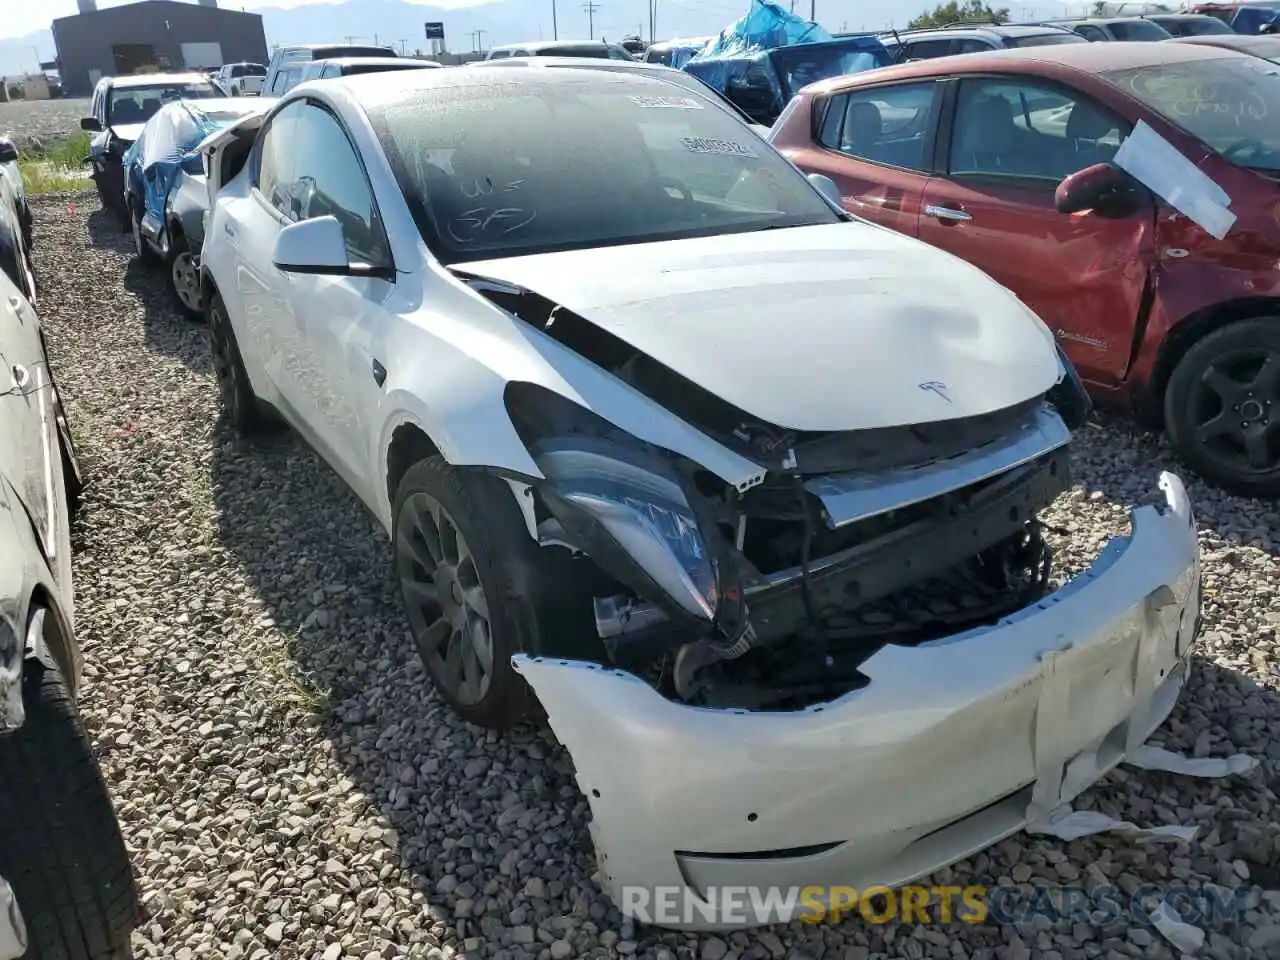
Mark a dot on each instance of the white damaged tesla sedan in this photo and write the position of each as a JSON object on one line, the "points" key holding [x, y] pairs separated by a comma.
{"points": [[743, 490]]}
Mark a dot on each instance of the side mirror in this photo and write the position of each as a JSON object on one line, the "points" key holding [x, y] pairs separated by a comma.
{"points": [[312, 246], [91, 124], [194, 164], [827, 187], [1101, 188], [8, 151]]}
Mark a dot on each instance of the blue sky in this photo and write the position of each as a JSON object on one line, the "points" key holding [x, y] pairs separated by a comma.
{"points": [[21, 18]]}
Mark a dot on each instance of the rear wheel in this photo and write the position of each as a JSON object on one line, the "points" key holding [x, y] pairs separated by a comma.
{"points": [[239, 403], [61, 848], [1222, 407], [184, 278], [141, 249]]}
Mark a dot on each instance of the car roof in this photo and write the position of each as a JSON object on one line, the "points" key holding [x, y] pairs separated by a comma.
{"points": [[1090, 58], [1101, 21], [158, 79], [372, 61], [590, 63], [1261, 45], [1000, 29], [1176, 16], [372, 89]]}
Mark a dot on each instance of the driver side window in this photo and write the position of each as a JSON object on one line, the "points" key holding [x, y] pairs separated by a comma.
{"points": [[1014, 128], [329, 180], [273, 165]]}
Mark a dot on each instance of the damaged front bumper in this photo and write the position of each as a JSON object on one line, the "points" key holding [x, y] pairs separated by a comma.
{"points": [[951, 746]]}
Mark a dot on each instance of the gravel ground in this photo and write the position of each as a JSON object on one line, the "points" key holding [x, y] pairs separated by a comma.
{"points": [[44, 120], [290, 788]]}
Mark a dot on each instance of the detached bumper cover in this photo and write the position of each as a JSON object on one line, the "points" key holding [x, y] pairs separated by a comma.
{"points": [[951, 747]]}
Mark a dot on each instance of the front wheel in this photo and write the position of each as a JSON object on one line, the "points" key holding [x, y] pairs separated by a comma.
{"points": [[465, 564], [61, 848], [1222, 407]]}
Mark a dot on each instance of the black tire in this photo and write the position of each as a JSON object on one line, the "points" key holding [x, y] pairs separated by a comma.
{"points": [[239, 404], [183, 277], [485, 515], [61, 848], [72, 478], [141, 249], [1222, 409]]}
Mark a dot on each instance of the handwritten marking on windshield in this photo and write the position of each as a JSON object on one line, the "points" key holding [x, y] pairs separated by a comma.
{"points": [[467, 226]]}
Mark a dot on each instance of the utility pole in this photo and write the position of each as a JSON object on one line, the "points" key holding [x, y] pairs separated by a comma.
{"points": [[477, 41], [555, 30], [591, 7], [813, 10], [403, 43]]}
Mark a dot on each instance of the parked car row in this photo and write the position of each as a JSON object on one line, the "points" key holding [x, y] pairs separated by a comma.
{"points": [[634, 464], [66, 884]]}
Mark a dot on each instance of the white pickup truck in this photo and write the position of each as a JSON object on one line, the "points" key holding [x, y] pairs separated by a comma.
{"points": [[241, 79]]}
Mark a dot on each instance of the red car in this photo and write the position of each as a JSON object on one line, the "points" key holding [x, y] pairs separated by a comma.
{"points": [[976, 154]]}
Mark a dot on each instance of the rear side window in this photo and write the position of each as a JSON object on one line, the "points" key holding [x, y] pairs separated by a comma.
{"points": [[929, 49], [972, 45], [1138, 30], [1091, 33], [1046, 39], [888, 125]]}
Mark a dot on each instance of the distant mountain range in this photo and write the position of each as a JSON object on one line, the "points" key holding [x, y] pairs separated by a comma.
{"points": [[509, 21]]}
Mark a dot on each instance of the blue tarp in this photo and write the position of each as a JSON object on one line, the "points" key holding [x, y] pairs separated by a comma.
{"points": [[153, 161], [763, 59], [766, 26]]}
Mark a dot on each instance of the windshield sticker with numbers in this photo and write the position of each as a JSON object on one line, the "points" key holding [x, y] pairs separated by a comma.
{"points": [[713, 145]]}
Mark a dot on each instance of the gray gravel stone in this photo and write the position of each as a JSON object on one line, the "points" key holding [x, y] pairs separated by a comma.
{"points": [[299, 792]]}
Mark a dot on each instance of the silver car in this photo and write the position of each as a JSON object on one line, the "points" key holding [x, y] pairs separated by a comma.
{"points": [[58, 832]]}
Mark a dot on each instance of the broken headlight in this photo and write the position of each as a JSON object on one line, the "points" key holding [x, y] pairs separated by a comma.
{"points": [[627, 510], [1069, 396]]}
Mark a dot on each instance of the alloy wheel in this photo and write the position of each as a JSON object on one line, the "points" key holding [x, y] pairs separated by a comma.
{"points": [[1235, 410], [444, 599], [186, 282]]}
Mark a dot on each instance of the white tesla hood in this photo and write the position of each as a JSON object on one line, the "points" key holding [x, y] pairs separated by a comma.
{"points": [[845, 326]]}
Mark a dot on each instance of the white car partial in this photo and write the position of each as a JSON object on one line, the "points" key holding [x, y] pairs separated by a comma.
{"points": [[742, 489]]}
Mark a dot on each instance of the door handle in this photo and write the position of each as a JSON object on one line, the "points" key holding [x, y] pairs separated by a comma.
{"points": [[21, 378], [15, 304], [946, 213], [228, 230]]}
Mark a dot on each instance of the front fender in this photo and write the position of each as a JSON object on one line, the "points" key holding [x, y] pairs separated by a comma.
{"points": [[454, 357]]}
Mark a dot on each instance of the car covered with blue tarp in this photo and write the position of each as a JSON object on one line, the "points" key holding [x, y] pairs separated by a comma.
{"points": [[762, 60], [165, 187]]}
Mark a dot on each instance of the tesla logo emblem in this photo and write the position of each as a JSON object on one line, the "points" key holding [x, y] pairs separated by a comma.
{"points": [[936, 386]]}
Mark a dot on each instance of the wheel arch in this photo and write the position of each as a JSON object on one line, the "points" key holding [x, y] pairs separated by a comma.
{"points": [[1194, 328], [409, 442], [58, 636]]}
